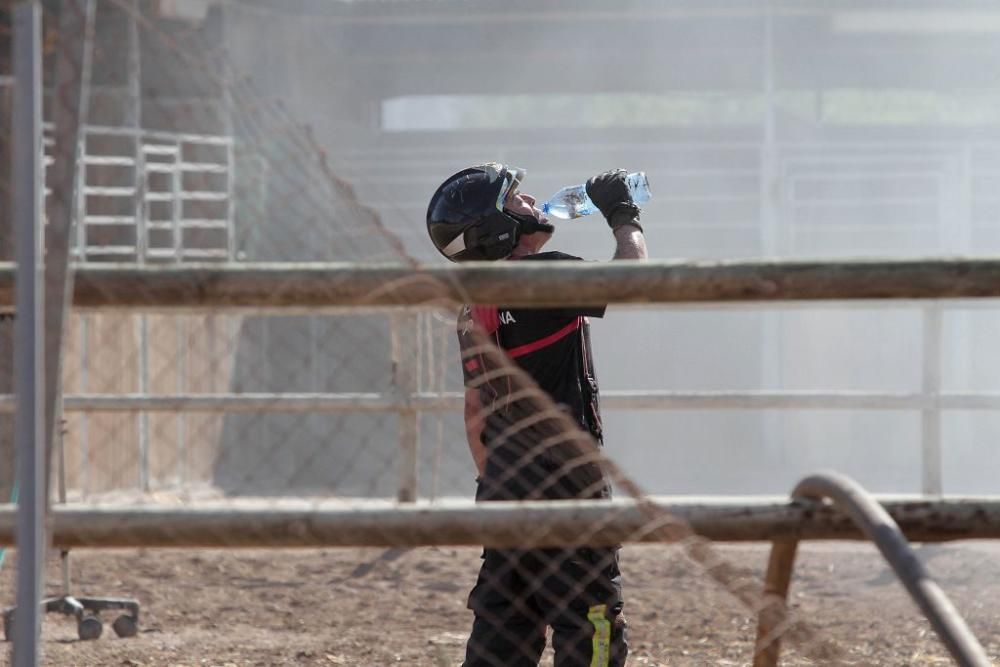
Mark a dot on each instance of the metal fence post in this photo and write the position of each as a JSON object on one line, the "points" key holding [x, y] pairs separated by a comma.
{"points": [[930, 421], [71, 97], [405, 353], [84, 432], [182, 362], [7, 473], [29, 339]]}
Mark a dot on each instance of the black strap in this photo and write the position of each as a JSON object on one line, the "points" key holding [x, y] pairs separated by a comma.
{"points": [[592, 408]]}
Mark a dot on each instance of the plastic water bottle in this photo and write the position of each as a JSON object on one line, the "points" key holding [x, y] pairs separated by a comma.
{"points": [[573, 202]]}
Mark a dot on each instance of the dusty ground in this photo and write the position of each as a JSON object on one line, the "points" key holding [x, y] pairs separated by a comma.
{"points": [[309, 607]]}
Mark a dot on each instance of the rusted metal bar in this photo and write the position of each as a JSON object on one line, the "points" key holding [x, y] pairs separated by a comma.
{"points": [[879, 526], [285, 286], [383, 523]]}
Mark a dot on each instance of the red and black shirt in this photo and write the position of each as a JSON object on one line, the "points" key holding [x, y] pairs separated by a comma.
{"points": [[553, 346]]}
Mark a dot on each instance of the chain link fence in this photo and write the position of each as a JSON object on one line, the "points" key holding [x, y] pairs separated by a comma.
{"points": [[304, 460]]}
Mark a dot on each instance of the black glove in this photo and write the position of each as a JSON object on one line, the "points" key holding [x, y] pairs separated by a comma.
{"points": [[610, 194]]}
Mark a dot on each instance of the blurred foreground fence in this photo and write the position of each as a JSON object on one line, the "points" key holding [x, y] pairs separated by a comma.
{"points": [[176, 138], [362, 523], [185, 363]]}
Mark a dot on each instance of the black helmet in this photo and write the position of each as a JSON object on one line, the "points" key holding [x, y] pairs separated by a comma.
{"points": [[466, 217]]}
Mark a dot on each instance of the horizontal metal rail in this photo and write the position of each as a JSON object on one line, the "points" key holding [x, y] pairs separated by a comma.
{"points": [[167, 158], [284, 286], [453, 401], [345, 523], [122, 131]]}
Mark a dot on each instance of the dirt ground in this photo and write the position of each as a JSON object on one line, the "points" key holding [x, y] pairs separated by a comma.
{"points": [[371, 607]]}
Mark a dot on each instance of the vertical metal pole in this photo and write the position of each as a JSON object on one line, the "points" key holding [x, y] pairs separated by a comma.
{"points": [[133, 118], [84, 437], [226, 119], [435, 384], [230, 209], [769, 225], [176, 205], [70, 95], [7, 453], [61, 490], [134, 121], [931, 415], [317, 376], [404, 337], [142, 333], [29, 358], [962, 352], [139, 209], [770, 240], [81, 207], [182, 343]]}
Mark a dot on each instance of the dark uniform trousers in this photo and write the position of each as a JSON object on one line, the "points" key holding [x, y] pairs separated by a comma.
{"points": [[576, 592]]}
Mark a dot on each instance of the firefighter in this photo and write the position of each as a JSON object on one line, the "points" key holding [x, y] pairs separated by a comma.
{"points": [[480, 213]]}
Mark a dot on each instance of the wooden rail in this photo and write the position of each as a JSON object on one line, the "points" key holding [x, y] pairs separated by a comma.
{"points": [[277, 523], [312, 286]]}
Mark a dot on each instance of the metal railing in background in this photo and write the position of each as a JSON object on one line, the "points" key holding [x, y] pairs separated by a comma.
{"points": [[148, 196], [408, 400], [822, 189], [152, 196]]}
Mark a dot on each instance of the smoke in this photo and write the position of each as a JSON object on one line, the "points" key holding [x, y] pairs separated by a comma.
{"points": [[805, 134]]}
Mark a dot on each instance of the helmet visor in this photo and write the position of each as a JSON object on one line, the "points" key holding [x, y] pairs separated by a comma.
{"points": [[512, 181]]}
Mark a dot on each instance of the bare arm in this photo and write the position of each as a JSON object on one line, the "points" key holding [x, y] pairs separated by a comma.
{"points": [[474, 429], [630, 242], [611, 194]]}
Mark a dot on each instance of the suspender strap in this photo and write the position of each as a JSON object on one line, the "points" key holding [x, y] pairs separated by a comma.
{"points": [[589, 385]]}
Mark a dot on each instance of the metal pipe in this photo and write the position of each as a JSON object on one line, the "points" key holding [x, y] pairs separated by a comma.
{"points": [[359, 522], [84, 425], [142, 379], [29, 340], [878, 526], [452, 401], [71, 93], [308, 286], [930, 417], [405, 351]]}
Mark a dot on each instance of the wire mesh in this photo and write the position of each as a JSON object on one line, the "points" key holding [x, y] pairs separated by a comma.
{"points": [[185, 159]]}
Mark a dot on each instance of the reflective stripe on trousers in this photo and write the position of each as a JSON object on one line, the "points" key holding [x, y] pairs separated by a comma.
{"points": [[598, 617]]}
